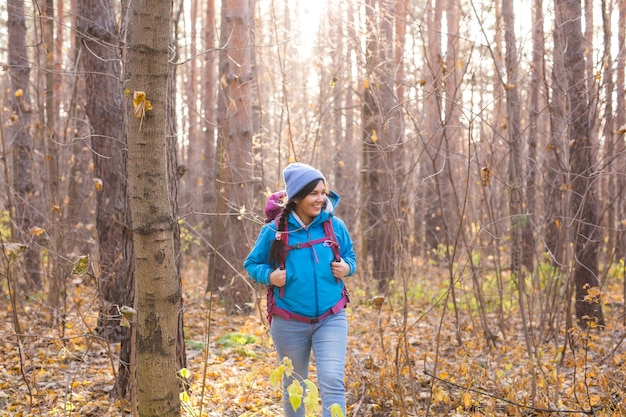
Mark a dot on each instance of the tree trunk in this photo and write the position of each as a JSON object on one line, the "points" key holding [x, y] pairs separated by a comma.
{"points": [[382, 142], [18, 134], [428, 218], [620, 121], [536, 126], [516, 185], [555, 164], [175, 173], [235, 185], [105, 109], [581, 162], [611, 145], [158, 288], [53, 176]]}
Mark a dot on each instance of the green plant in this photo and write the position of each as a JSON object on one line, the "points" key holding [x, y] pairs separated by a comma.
{"points": [[296, 390], [238, 342], [185, 399]]}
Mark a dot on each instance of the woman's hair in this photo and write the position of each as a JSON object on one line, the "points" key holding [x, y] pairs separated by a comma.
{"points": [[277, 250]]}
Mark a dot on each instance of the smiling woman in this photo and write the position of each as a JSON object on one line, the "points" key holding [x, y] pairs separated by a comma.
{"points": [[304, 256]]}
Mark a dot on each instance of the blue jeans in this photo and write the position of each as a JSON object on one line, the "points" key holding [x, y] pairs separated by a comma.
{"points": [[328, 340]]}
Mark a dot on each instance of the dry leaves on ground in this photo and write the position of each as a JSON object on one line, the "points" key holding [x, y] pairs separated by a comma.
{"points": [[401, 361]]}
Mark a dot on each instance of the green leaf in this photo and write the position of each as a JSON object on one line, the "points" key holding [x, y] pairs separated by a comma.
{"points": [[336, 411], [311, 400], [295, 392], [276, 376], [81, 265], [185, 373]]}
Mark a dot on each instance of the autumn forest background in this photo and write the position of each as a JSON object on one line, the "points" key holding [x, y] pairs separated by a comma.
{"points": [[477, 146]]}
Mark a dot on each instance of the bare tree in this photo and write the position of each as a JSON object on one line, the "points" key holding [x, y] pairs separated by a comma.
{"points": [[536, 126], [427, 220], [620, 124], [105, 109], [585, 231], [382, 144], [234, 185], [19, 134], [612, 146], [158, 288], [52, 164]]}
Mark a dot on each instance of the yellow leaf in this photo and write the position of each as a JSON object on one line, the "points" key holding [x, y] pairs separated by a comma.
{"points": [[185, 373], [311, 401], [439, 396], [288, 366], [98, 184], [366, 83], [336, 411], [141, 104], [374, 136], [19, 93], [275, 377], [463, 369], [36, 231], [184, 397], [295, 392], [467, 400]]}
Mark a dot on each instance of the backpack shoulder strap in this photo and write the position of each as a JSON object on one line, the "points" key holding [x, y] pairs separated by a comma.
{"points": [[332, 239]]}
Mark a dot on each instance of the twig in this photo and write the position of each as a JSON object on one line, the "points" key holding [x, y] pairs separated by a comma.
{"points": [[481, 392]]}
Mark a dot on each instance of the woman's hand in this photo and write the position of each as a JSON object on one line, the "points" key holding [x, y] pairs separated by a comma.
{"points": [[278, 277], [340, 269]]}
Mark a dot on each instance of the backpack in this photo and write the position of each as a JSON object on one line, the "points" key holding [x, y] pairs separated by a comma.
{"points": [[283, 237]]}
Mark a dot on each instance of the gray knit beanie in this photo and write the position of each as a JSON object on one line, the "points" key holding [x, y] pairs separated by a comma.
{"points": [[297, 175]]}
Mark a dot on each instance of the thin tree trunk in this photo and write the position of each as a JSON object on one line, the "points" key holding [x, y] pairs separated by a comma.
{"points": [[611, 147], [535, 127], [19, 135], [51, 148], [175, 173], [158, 287], [620, 122]]}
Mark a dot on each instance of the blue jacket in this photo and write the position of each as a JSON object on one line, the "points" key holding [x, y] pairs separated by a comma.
{"points": [[311, 288]]}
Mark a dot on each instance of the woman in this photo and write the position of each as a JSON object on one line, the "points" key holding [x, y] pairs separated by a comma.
{"points": [[305, 266]]}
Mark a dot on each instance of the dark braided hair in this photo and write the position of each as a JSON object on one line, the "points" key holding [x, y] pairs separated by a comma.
{"points": [[277, 250]]}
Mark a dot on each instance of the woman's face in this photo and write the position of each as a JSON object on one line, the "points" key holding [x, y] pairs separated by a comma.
{"points": [[312, 204]]}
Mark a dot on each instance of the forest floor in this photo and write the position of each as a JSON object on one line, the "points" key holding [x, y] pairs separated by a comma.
{"points": [[416, 360]]}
